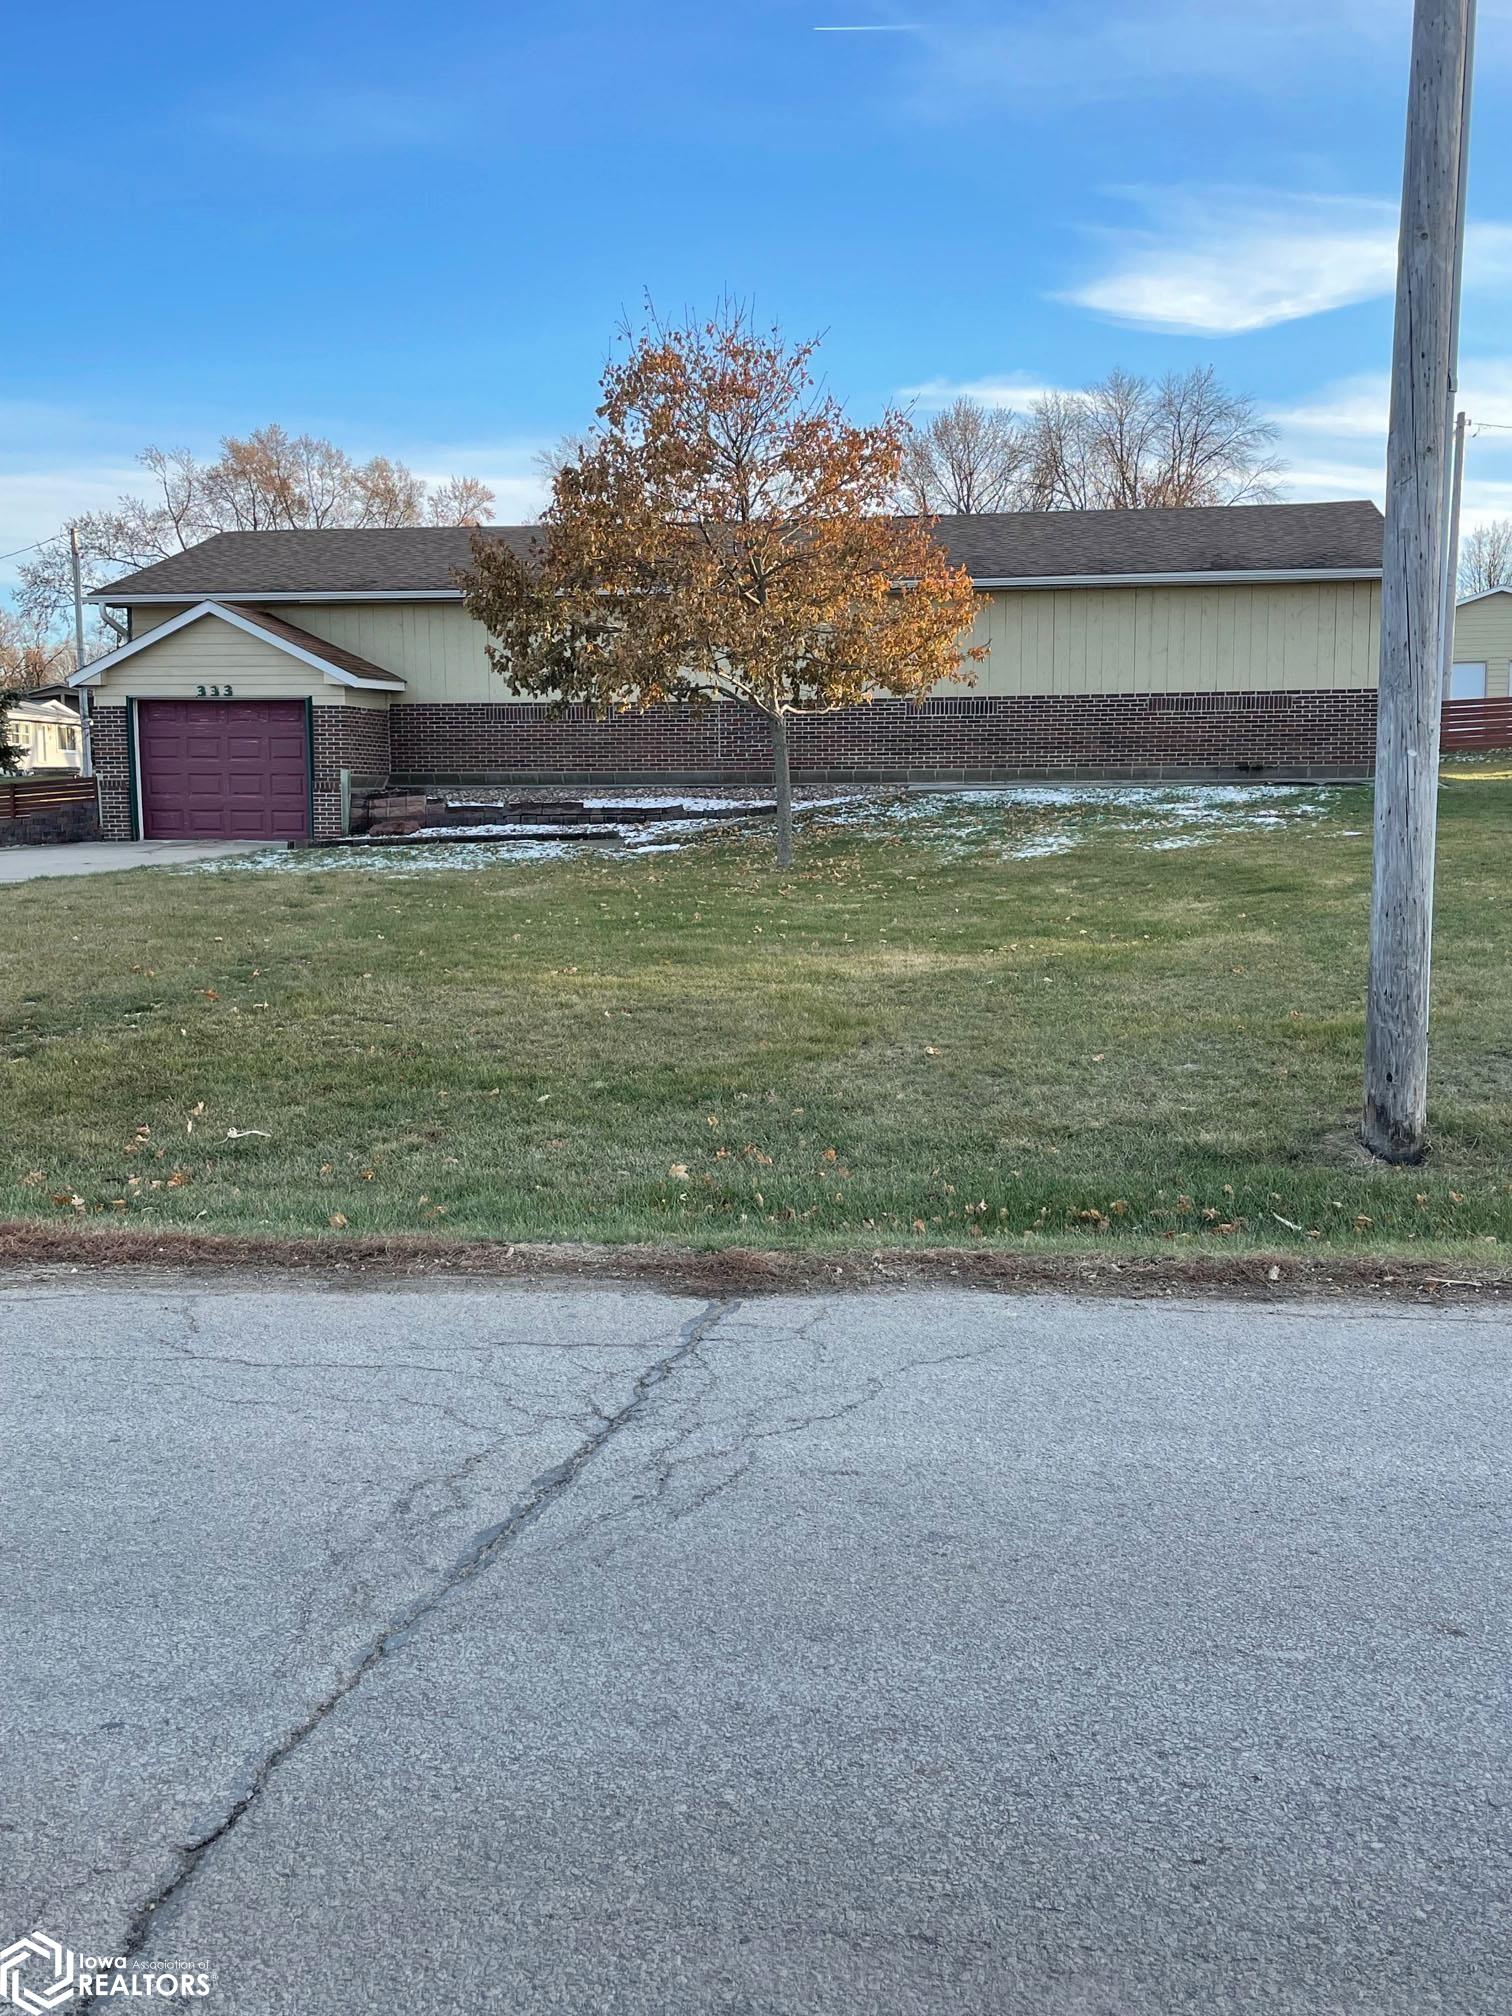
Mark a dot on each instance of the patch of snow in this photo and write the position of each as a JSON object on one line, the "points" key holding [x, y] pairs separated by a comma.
{"points": [[1043, 844], [1013, 822], [464, 835]]}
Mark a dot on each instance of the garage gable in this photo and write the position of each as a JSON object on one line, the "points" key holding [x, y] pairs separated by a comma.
{"points": [[224, 650]]}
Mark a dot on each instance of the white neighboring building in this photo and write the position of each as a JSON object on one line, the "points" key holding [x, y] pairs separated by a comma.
{"points": [[46, 732]]}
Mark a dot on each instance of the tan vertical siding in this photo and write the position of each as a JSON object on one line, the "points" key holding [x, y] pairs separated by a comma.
{"points": [[1483, 636], [1267, 637]]}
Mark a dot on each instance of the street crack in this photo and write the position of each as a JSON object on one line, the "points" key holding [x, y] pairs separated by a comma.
{"points": [[480, 1553]]}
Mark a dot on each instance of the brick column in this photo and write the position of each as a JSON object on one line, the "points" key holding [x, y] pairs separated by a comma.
{"points": [[355, 739], [110, 739]]}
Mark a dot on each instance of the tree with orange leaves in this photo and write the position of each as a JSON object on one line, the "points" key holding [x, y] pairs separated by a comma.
{"points": [[724, 533]]}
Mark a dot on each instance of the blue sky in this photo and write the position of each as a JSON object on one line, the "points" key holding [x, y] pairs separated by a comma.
{"points": [[415, 229]]}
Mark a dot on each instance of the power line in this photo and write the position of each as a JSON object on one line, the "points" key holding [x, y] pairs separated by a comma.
{"points": [[25, 549]]}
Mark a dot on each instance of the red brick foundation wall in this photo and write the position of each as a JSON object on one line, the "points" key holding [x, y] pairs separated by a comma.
{"points": [[112, 761], [1316, 733], [1323, 733], [347, 738]]}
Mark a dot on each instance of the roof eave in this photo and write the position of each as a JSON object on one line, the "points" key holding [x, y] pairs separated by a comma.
{"points": [[1211, 576], [1206, 577]]}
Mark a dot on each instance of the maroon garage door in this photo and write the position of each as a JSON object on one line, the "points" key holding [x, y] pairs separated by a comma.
{"points": [[224, 769]]}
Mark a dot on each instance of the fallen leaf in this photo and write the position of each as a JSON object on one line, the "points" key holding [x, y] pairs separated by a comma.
{"points": [[338, 1219]]}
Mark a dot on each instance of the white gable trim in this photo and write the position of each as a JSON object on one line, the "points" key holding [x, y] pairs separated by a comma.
{"points": [[338, 675], [1484, 594]]}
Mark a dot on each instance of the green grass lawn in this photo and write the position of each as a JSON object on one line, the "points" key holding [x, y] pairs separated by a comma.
{"points": [[932, 1031]]}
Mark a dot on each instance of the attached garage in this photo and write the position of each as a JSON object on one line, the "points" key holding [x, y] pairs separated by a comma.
{"points": [[224, 769], [236, 725]]}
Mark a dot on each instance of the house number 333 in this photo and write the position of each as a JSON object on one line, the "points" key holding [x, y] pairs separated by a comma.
{"points": [[213, 692]]}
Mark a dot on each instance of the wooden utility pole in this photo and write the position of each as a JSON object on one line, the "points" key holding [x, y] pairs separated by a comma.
{"points": [[1412, 588], [86, 739]]}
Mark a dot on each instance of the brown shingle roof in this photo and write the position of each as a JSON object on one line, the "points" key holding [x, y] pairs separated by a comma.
{"points": [[1222, 539], [242, 566], [1342, 538]]}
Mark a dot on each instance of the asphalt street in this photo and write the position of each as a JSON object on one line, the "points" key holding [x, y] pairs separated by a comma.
{"points": [[439, 1649]]}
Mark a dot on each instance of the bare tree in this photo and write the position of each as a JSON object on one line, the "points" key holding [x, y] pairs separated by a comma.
{"points": [[268, 480], [29, 659], [1128, 444], [460, 500], [968, 458], [1485, 557], [563, 452]]}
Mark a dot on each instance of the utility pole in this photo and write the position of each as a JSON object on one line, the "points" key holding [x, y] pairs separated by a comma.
{"points": [[1451, 557], [86, 745], [1412, 585]]}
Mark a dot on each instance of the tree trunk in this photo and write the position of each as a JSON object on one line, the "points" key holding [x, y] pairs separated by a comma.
{"points": [[1407, 739], [783, 785]]}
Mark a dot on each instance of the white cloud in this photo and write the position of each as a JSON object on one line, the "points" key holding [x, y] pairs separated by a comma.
{"points": [[1351, 407], [1334, 442], [1359, 406], [1014, 391], [1219, 261], [1216, 263], [1308, 478]]}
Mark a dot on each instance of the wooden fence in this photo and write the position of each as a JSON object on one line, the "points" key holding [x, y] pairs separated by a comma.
{"points": [[1476, 724], [21, 796]]}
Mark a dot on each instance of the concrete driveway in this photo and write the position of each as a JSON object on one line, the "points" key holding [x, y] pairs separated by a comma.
{"points": [[100, 857], [447, 1650]]}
